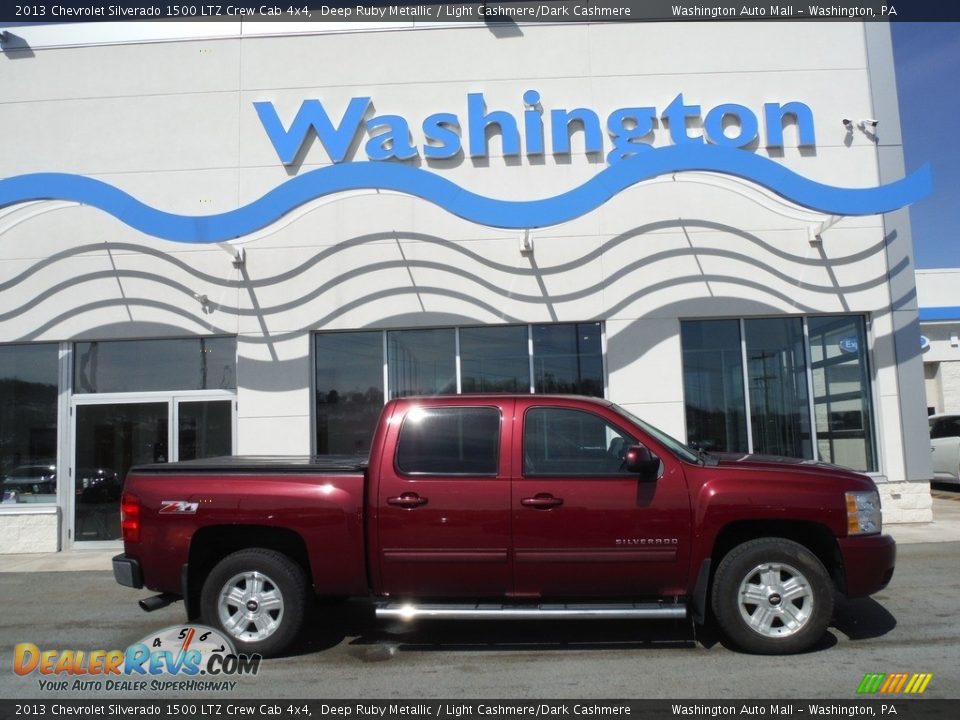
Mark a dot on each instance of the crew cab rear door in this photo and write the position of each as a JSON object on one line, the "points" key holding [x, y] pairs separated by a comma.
{"points": [[443, 506], [582, 526]]}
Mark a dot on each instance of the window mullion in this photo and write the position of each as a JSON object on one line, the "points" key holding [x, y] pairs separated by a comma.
{"points": [[746, 385], [814, 447]]}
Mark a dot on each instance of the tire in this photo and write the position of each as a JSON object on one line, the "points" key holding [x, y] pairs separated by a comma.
{"points": [[258, 598], [772, 596]]}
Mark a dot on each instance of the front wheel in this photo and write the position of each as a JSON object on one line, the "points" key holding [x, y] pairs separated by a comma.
{"points": [[258, 597], [772, 596]]}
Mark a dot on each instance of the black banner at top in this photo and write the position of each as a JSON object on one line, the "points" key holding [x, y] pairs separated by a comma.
{"points": [[14, 12]]}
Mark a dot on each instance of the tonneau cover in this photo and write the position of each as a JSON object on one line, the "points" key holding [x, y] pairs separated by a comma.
{"points": [[261, 463]]}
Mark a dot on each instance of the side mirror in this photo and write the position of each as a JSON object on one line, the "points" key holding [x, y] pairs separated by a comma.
{"points": [[640, 460]]}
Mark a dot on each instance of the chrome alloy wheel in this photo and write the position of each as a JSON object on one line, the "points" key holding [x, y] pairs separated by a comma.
{"points": [[775, 600], [250, 606]]}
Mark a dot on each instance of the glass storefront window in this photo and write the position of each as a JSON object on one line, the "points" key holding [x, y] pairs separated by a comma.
{"points": [[204, 428], [494, 359], [777, 373], [568, 359], [841, 391], [349, 387], [422, 362], [114, 366], [28, 423], [713, 385], [781, 390]]}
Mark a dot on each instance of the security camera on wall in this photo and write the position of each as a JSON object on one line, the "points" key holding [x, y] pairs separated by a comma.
{"points": [[869, 121]]}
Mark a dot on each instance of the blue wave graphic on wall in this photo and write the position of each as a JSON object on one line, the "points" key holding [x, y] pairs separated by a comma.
{"points": [[508, 214]]}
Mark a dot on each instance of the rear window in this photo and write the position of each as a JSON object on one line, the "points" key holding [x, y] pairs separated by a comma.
{"points": [[945, 427], [449, 441]]}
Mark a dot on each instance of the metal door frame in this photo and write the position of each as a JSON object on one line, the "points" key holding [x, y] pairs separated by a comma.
{"points": [[172, 400]]}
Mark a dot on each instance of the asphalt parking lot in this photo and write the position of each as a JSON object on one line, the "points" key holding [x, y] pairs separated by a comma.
{"points": [[910, 627]]}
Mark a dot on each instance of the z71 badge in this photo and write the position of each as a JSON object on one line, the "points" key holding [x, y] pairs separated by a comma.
{"points": [[169, 507]]}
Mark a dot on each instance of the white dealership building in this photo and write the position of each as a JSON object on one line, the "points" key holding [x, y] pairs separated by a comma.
{"points": [[241, 237]]}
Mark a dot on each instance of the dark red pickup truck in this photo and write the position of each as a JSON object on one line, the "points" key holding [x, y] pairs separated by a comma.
{"points": [[524, 506]]}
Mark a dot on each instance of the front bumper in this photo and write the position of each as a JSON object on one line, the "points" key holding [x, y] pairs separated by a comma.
{"points": [[126, 571], [868, 563]]}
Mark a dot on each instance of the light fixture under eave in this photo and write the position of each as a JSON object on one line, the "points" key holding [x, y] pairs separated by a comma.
{"points": [[239, 254], [526, 243], [815, 232]]}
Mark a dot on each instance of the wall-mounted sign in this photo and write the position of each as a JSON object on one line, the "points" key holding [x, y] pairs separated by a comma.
{"points": [[441, 135], [631, 157], [850, 344]]}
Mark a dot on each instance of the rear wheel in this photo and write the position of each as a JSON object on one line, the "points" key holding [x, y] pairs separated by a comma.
{"points": [[772, 596], [258, 597]]}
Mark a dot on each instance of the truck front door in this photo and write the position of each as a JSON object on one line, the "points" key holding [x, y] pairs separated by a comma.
{"points": [[582, 526], [444, 502]]}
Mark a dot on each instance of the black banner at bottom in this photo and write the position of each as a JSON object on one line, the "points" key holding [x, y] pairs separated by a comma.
{"points": [[894, 708]]}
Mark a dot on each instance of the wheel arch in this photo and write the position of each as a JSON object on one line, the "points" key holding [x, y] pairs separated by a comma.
{"points": [[211, 544], [817, 538]]}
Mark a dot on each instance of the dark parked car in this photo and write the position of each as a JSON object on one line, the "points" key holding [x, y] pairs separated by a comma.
{"points": [[31, 483]]}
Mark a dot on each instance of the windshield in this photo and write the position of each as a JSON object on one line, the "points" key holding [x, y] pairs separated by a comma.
{"points": [[672, 444]]}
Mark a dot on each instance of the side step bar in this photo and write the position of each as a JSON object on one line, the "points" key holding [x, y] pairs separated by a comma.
{"points": [[570, 611]]}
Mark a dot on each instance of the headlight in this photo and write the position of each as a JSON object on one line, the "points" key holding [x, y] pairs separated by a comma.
{"points": [[863, 512]]}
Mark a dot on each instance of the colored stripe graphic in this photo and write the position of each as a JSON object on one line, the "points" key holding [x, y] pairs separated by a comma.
{"points": [[870, 683], [920, 683], [492, 212], [894, 683]]}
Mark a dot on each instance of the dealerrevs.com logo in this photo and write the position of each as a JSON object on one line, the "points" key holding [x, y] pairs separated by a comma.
{"points": [[177, 658]]}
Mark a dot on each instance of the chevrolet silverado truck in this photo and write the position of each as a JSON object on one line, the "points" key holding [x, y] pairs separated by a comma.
{"points": [[507, 507]]}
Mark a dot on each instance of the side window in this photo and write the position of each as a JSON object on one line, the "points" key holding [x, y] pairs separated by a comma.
{"points": [[934, 428], [560, 441], [944, 427], [449, 441]]}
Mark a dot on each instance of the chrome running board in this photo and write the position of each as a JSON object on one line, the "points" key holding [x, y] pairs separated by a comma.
{"points": [[571, 611]]}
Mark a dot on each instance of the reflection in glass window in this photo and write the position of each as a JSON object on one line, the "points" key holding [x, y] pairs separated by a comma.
{"points": [[349, 386], [568, 359], [204, 429], [28, 423], [713, 385], [110, 439], [494, 359], [203, 363], [422, 362], [777, 373], [450, 441], [560, 441], [841, 391], [780, 387]]}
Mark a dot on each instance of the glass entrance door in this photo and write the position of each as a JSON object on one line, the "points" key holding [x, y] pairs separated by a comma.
{"points": [[109, 440], [112, 437]]}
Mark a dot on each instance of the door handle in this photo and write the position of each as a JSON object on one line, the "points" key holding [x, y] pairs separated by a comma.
{"points": [[542, 501], [408, 500]]}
